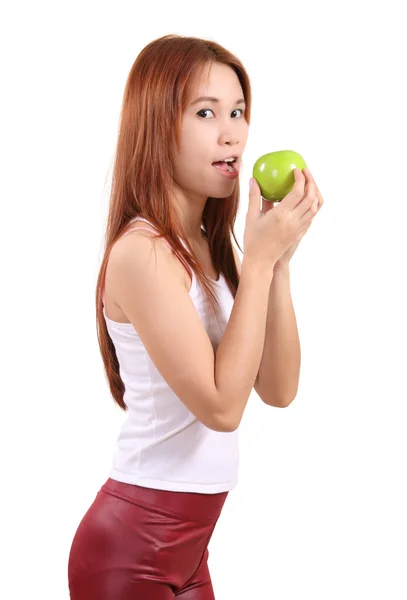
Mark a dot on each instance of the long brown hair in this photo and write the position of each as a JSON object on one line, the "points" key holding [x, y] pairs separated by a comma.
{"points": [[156, 94]]}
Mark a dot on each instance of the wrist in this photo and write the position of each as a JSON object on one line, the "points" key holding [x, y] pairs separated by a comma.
{"points": [[255, 269], [283, 267]]}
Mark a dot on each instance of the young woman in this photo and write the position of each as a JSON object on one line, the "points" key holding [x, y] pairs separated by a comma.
{"points": [[181, 322]]}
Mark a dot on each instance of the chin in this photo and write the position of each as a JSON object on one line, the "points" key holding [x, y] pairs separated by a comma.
{"points": [[224, 190]]}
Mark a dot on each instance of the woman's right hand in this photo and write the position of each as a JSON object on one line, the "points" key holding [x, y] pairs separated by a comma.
{"points": [[268, 236]]}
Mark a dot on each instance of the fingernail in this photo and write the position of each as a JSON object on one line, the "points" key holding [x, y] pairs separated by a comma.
{"points": [[251, 183]]}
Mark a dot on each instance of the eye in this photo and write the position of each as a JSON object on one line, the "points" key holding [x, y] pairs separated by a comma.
{"points": [[204, 110], [241, 110]]}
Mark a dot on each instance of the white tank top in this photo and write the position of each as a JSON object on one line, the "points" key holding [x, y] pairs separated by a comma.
{"points": [[161, 444]]}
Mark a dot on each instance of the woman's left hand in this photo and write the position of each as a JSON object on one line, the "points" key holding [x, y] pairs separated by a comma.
{"points": [[311, 189]]}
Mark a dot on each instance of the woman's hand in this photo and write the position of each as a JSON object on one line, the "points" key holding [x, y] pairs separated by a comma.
{"points": [[311, 190]]}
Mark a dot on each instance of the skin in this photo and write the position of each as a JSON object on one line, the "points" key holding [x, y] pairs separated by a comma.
{"points": [[210, 131]]}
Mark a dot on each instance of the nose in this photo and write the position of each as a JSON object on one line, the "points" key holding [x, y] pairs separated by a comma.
{"points": [[229, 138], [229, 132], [232, 133]]}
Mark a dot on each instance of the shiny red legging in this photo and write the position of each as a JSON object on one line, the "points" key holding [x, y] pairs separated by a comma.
{"points": [[137, 543]]}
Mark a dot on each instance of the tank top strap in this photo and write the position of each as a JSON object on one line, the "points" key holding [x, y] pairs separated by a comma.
{"points": [[181, 258]]}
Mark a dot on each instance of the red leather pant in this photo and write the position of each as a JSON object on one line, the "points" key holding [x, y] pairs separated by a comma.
{"points": [[137, 543]]}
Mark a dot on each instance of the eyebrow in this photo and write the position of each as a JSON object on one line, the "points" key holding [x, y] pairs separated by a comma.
{"points": [[212, 99]]}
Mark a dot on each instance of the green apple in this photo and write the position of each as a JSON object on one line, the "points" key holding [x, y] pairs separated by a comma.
{"points": [[274, 173]]}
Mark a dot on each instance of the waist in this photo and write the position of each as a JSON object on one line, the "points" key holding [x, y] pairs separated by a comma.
{"points": [[189, 505]]}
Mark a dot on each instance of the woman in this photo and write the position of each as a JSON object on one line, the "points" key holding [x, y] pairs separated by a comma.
{"points": [[181, 322]]}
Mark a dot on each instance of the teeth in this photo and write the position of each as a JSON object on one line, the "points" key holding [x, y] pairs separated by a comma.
{"points": [[228, 159]]}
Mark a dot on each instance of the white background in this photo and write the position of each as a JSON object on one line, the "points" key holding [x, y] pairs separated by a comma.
{"points": [[319, 511]]}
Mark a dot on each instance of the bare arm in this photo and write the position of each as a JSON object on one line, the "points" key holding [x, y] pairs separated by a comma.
{"points": [[279, 370], [239, 353], [149, 286]]}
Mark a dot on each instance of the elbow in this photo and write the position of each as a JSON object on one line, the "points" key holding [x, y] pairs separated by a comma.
{"points": [[226, 422], [217, 422], [224, 419], [225, 425], [229, 427], [278, 402]]}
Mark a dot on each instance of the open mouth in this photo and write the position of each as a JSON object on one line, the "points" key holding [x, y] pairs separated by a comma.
{"points": [[226, 166]]}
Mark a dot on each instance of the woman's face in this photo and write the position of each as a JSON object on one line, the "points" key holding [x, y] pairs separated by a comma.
{"points": [[211, 130]]}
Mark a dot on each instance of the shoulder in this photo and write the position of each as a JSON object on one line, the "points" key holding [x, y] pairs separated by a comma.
{"points": [[135, 236], [138, 247], [142, 239]]}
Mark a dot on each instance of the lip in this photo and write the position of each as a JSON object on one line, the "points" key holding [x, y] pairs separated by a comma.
{"points": [[229, 174]]}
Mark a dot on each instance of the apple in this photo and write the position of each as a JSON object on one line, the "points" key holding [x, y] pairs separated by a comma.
{"points": [[274, 173]]}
